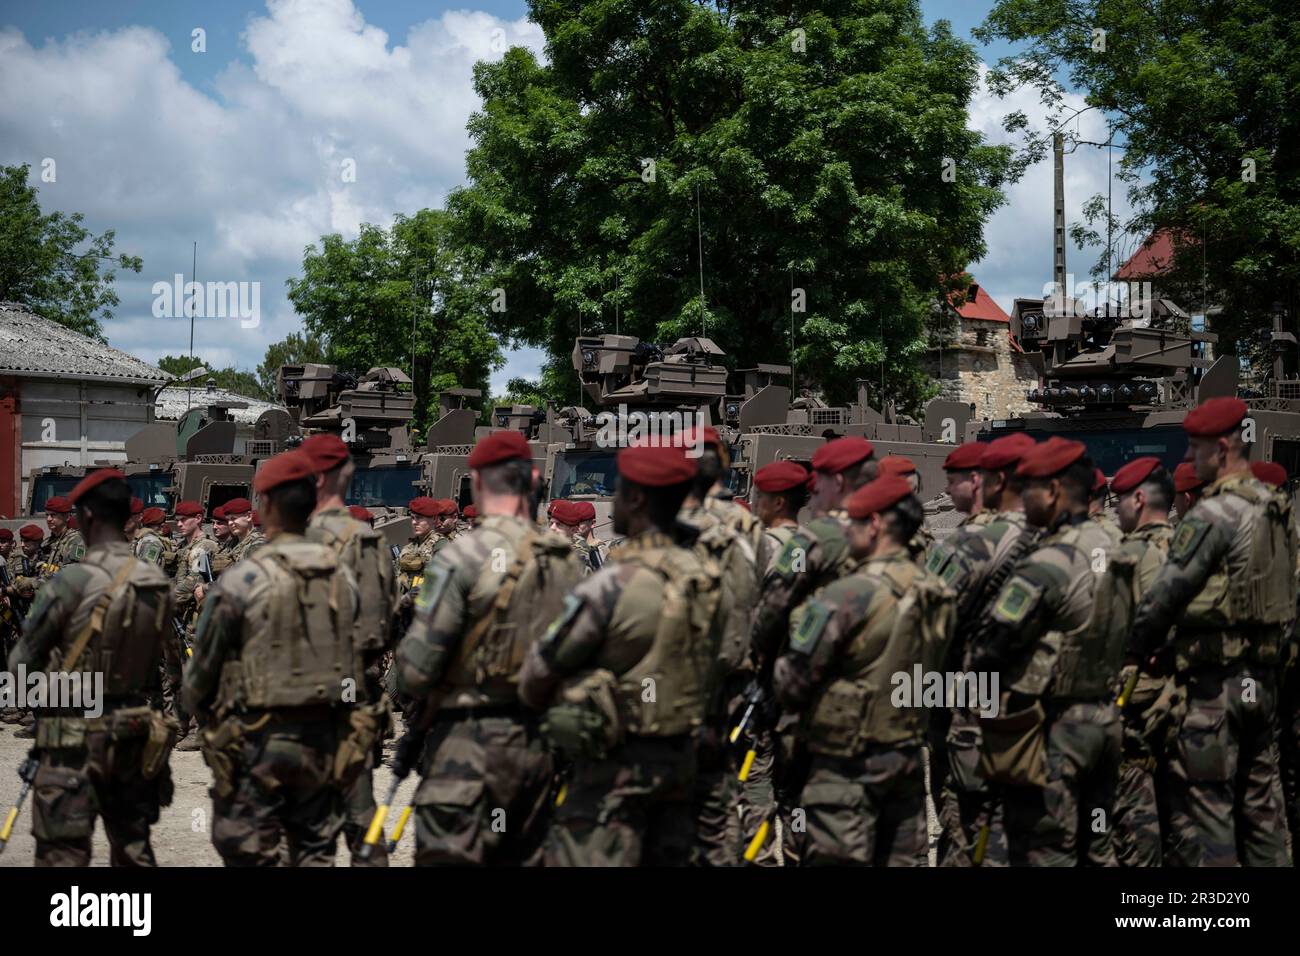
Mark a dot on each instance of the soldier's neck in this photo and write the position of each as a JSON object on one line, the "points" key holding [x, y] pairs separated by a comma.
{"points": [[781, 521], [331, 501], [1152, 517]]}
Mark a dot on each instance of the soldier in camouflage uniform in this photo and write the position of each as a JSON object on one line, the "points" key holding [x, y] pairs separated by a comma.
{"points": [[1187, 488], [365, 552], [448, 522], [149, 544], [597, 549], [1056, 642], [1097, 508], [905, 468], [865, 793], [10, 603], [625, 672], [27, 572], [975, 561], [224, 556], [961, 471], [64, 545], [485, 775], [105, 615], [1228, 586], [239, 513], [193, 564], [564, 521], [419, 551], [727, 507], [274, 678], [1145, 492]]}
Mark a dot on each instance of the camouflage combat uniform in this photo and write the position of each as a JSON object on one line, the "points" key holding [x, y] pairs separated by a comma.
{"points": [[67, 548], [485, 774], [94, 766], [190, 559], [274, 657], [864, 797], [365, 553], [149, 546], [975, 562], [643, 627], [1228, 587], [243, 547], [1137, 813], [1047, 645]]}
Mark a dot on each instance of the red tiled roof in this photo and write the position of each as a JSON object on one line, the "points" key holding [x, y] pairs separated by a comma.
{"points": [[1154, 257], [980, 305]]}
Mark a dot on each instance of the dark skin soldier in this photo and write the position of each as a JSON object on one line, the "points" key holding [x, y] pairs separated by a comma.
{"points": [[107, 615], [625, 671]]}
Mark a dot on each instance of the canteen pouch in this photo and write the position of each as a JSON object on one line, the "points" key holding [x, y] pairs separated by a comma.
{"points": [[585, 723], [412, 562], [223, 750], [163, 732], [360, 727], [1014, 748]]}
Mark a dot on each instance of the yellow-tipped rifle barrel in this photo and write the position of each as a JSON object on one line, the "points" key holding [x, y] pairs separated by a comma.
{"points": [[376, 831], [735, 733], [564, 792], [1129, 686], [748, 765], [981, 845], [7, 830], [756, 844], [400, 828]]}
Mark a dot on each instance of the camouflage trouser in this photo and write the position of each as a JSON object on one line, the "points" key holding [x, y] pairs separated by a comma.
{"points": [[285, 808], [717, 817], [970, 812], [360, 810], [1137, 814], [1225, 792], [761, 800], [633, 808], [483, 793], [1068, 822], [74, 786], [866, 811]]}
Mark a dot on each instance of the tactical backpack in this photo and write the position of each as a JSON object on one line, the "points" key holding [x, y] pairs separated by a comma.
{"points": [[529, 596], [299, 651], [728, 559], [364, 551]]}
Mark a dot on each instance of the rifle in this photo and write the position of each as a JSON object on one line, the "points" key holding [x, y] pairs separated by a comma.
{"points": [[180, 636], [408, 753], [27, 774], [757, 701]]}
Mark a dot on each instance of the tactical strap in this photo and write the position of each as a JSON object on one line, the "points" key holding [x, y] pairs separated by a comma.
{"points": [[523, 551], [96, 622]]}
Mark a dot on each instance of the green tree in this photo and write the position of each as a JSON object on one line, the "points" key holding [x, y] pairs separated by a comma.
{"points": [[816, 136], [1204, 99], [230, 378], [41, 267], [294, 349], [403, 297]]}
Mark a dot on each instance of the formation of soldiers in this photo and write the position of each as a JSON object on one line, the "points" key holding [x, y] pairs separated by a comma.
{"points": [[811, 683]]}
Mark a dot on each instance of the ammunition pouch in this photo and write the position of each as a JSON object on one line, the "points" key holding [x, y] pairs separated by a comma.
{"points": [[60, 733], [412, 562], [585, 723], [164, 731], [360, 728], [220, 561], [1014, 748], [223, 747], [837, 719]]}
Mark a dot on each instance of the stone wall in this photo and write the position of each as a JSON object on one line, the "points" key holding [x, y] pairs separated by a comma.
{"points": [[977, 364]]}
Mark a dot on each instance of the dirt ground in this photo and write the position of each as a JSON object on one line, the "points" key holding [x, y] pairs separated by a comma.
{"points": [[182, 837]]}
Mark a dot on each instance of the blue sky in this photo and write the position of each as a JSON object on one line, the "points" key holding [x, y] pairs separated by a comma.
{"points": [[240, 146]]}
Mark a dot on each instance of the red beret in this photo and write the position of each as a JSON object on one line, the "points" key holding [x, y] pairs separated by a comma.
{"points": [[1133, 474], [242, 506], [60, 505], [257, 519], [840, 453], [780, 476], [6, 534], [584, 510], [1051, 457], [325, 452], [448, 506], [188, 509], [30, 532], [656, 466], [562, 510], [498, 447], [283, 468], [152, 516], [1215, 417], [219, 513], [896, 465], [470, 511], [92, 480], [1005, 451], [360, 513], [1185, 479], [1098, 480], [423, 506], [137, 506], [878, 495], [1269, 472], [964, 457]]}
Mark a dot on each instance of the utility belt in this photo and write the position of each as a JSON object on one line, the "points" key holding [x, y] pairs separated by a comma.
{"points": [[158, 731], [358, 728]]}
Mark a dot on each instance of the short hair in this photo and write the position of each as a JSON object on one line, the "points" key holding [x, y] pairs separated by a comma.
{"points": [[109, 501], [795, 498], [1159, 488], [902, 520], [1077, 480], [294, 501], [511, 477], [334, 477], [663, 503], [855, 476], [708, 472]]}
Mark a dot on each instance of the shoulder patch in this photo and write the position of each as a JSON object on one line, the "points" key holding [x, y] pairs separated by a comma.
{"points": [[151, 551], [1191, 531], [794, 548], [1018, 598], [431, 587], [572, 605], [804, 638]]}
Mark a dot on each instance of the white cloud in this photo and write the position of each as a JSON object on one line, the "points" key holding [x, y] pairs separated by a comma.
{"points": [[254, 172]]}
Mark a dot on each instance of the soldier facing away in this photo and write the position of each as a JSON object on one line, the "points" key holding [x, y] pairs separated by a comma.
{"points": [[1228, 586], [107, 614], [485, 775], [623, 674], [275, 678]]}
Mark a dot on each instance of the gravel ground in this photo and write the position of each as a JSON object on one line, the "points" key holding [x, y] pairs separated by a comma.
{"points": [[182, 835]]}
